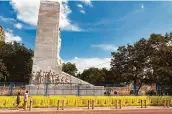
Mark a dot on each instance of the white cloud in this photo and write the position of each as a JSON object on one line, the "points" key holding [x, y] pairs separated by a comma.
{"points": [[9, 30], [79, 5], [18, 26], [10, 37], [88, 2], [106, 47], [85, 63], [72, 28], [9, 20], [142, 6], [27, 11], [82, 11]]}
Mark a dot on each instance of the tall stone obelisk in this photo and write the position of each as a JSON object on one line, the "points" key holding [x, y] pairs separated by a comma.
{"points": [[48, 42]]}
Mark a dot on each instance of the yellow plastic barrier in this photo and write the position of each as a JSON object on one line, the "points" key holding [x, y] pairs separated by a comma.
{"points": [[82, 101]]}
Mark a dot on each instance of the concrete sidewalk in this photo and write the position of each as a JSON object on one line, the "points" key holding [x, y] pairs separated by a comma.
{"points": [[84, 109]]}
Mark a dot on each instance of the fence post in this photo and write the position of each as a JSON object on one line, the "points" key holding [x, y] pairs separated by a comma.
{"points": [[78, 89], [30, 108], [145, 103], [141, 102], [25, 105], [46, 89], [164, 103], [11, 88], [112, 102], [58, 104], [120, 104], [92, 104], [135, 88], [158, 89], [62, 104], [88, 104], [116, 104], [168, 103]]}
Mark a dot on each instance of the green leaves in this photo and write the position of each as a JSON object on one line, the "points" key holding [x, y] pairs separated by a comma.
{"points": [[94, 75], [145, 62], [69, 68], [16, 62]]}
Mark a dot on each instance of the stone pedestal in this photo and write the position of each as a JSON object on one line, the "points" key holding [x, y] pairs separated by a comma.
{"points": [[65, 89]]}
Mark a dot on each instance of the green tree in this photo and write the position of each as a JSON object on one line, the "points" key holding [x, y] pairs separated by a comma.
{"points": [[17, 62], [69, 68], [108, 77], [3, 71], [93, 75], [161, 58], [145, 62], [130, 64]]}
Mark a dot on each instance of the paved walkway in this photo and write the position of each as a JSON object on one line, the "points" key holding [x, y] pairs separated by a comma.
{"points": [[97, 110]]}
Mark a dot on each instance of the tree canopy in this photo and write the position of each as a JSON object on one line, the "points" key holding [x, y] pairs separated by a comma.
{"points": [[93, 75], [145, 62], [15, 62], [69, 68]]}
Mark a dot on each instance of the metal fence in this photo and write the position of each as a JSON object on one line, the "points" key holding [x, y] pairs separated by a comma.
{"points": [[12, 88], [113, 90]]}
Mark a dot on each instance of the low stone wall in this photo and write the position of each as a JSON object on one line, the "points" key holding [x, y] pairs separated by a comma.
{"points": [[65, 89]]}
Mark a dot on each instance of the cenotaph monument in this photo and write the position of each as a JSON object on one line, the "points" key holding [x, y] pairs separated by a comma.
{"points": [[48, 42], [47, 66]]}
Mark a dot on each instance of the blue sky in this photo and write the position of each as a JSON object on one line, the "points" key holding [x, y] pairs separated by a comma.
{"points": [[91, 29]]}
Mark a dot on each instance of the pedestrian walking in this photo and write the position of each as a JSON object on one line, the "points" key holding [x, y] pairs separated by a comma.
{"points": [[18, 100], [25, 100]]}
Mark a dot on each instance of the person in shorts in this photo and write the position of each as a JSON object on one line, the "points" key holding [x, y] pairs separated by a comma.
{"points": [[25, 99]]}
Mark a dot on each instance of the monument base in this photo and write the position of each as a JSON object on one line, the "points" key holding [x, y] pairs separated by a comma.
{"points": [[65, 89], [51, 83]]}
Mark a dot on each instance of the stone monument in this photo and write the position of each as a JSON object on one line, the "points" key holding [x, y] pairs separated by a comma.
{"points": [[48, 42], [47, 66]]}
